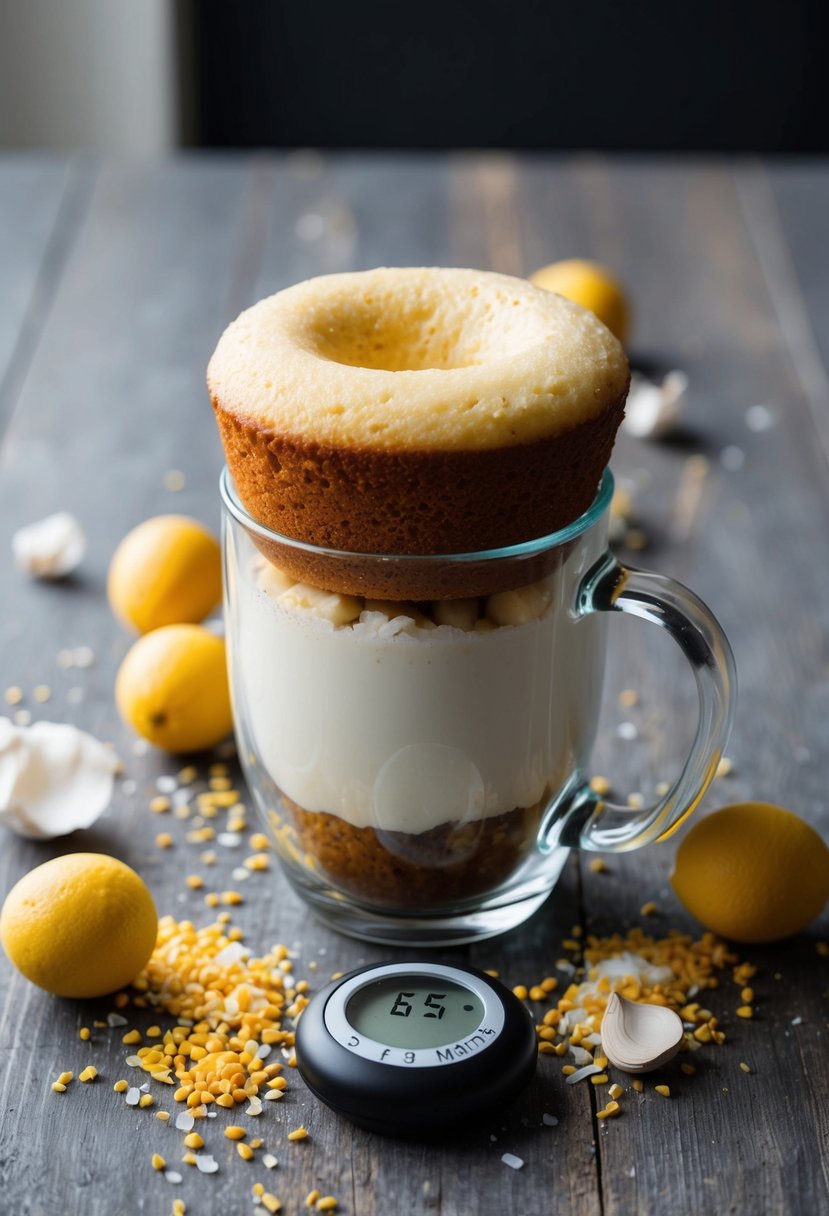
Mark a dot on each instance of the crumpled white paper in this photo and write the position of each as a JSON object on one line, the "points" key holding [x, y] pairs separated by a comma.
{"points": [[51, 548], [54, 778], [653, 410]]}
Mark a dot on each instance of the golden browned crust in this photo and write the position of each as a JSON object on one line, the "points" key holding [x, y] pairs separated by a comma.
{"points": [[412, 502], [416, 870]]}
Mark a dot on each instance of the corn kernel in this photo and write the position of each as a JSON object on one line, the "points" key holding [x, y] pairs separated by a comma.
{"points": [[327, 1204], [299, 1133], [270, 1202], [88, 1074], [235, 1133], [132, 1036], [638, 1085], [65, 1078], [58, 1087], [85, 1034], [164, 840], [648, 909], [193, 1140], [745, 1011], [311, 1198], [162, 1115], [521, 992], [244, 1151], [598, 865], [599, 1079], [121, 1087], [159, 805], [158, 1162], [146, 1100], [663, 1090], [616, 1091]]}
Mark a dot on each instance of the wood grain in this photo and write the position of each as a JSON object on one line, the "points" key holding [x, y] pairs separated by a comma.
{"points": [[152, 263]]}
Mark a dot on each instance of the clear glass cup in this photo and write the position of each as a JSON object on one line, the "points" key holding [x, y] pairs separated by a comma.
{"points": [[422, 767]]}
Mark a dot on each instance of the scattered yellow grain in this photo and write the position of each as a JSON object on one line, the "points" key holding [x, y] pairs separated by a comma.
{"points": [[745, 1011], [231, 898], [568, 1070], [159, 804], [521, 992], [194, 881], [244, 1151], [164, 840], [189, 1158], [132, 1036], [598, 865], [822, 949], [638, 1085], [628, 697], [663, 1090], [271, 1203], [85, 1034], [299, 1133], [600, 786], [13, 695], [158, 1162], [599, 1078], [88, 1074], [744, 1067], [187, 775], [58, 1087], [193, 1140], [688, 1069], [121, 1087], [179, 1207], [327, 1204], [616, 1091], [311, 1198], [211, 899], [537, 993], [747, 995], [65, 1077], [235, 1133], [571, 943], [258, 861], [648, 909], [259, 841], [162, 1115], [146, 1100]]}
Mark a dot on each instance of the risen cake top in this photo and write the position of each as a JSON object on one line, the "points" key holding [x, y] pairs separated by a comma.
{"points": [[417, 359]]}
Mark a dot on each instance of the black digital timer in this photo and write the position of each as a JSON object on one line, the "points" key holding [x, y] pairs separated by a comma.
{"points": [[412, 1048]]}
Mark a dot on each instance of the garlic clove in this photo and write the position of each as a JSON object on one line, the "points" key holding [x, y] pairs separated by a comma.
{"points": [[54, 778], [51, 548], [637, 1037], [652, 410]]}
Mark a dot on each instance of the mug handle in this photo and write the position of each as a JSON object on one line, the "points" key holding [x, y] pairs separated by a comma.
{"points": [[579, 818]]}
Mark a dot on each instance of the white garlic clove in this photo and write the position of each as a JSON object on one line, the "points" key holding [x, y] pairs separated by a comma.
{"points": [[637, 1037], [653, 410], [54, 778], [51, 548]]}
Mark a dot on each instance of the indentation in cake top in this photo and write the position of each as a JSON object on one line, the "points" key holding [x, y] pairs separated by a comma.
{"points": [[418, 359]]}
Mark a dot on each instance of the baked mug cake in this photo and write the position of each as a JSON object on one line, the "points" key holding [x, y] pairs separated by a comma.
{"points": [[415, 502]]}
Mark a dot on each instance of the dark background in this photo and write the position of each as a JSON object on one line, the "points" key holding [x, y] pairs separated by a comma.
{"points": [[530, 74]]}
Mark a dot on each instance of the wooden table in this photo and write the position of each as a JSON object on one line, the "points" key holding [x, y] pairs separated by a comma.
{"points": [[115, 282]]}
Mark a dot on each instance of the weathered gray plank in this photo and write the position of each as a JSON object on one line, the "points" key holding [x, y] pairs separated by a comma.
{"points": [[41, 201], [677, 237]]}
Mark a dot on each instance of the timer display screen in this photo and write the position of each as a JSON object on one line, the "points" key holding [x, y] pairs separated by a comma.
{"points": [[414, 1011]]}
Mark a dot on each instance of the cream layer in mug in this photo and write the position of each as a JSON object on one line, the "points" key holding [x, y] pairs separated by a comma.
{"points": [[403, 728]]}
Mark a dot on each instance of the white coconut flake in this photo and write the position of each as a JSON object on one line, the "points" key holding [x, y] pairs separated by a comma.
{"points": [[133, 1096], [229, 840], [233, 952], [129, 787], [212, 1114], [185, 1121], [549, 1120], [133, 1061], [115, 1019], [580, 1055], [173, 1176], [241, 874], [54, 778], [652, 409], [796, 1021], [589, 1070], [207, 1164], [510, 1159], [83, 656], [166, 785], [255, 1107], [51, 548], [269, 1161], [273, 1095], [264, 1050]]}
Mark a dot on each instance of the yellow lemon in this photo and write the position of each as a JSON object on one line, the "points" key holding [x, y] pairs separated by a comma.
{"points": [[592, 286], [752, 872], [172, 688], [79, 926], [166, 571]]}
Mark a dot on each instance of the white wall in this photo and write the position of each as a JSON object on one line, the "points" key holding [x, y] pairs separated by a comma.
{"points": [[88, 74]]}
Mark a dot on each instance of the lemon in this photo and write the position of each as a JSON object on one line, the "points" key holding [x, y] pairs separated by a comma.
{"points": [[172, 688], [752, 872], [79, 926], [166, 571], [592, 286]]}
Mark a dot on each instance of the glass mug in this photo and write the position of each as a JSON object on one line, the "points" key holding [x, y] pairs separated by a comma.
{"points": [[422, 768]]}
